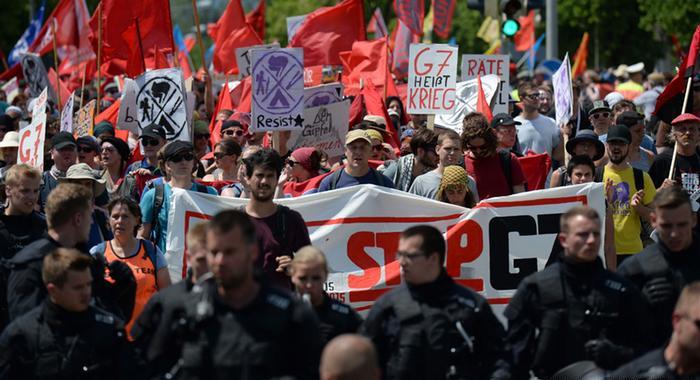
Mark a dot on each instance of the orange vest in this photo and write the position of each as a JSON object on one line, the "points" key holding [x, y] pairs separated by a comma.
{"points": [[144, 271]]}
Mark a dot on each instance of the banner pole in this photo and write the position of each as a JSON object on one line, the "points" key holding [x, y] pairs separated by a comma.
{"points": [[82, 87], [207, 90], [675, 145], [55, 63], [138, 38], [99, 58]]}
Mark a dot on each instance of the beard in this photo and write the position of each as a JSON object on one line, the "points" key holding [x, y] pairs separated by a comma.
{"points": [[426, 161], [618, 160], [233, 281], [259, 196]]}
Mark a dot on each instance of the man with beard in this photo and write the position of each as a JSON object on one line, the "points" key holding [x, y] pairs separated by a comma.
{"points": [[449, 150], [497, 173], [281, 230], [237, 326], [423, 158], [633, 192], [64, 154], [685, 130]]}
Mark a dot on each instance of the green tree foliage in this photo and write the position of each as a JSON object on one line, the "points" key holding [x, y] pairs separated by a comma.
{"points": [[674, 17]]}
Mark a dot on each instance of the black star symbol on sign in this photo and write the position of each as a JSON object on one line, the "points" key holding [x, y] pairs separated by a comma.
{"points": [[298, 120]]}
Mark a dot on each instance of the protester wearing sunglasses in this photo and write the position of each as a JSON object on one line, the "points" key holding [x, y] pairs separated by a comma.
{"points": [[152, 139], [226, 156], [177, 162], [601, 118], [233, 129], [537, 132], [88, 151]]}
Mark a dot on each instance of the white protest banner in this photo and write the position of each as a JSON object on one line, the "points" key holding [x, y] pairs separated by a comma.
{"points": [[11, 89], [161, 100], [323, 94], [126, 118], [465, 102], [84, 120], [563, 93], [278, 90], [325, 127], [490, 248], [31, 143], [40, 103], [474, 65], [293, 24], [67, 115], [35, 75], [432, 78], [243, 58]]}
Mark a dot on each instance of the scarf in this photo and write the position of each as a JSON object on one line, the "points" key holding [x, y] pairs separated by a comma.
{"points": [[451, 176]]}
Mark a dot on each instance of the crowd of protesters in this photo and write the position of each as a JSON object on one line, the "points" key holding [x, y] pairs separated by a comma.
{"points": [[86, 293]]}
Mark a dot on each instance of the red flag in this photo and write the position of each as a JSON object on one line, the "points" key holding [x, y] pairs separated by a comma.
{"points": [[580, 58], [442, 21], [110, 114], [71, 24], [256, 19], [231, 32], [377, 25], [367, 60], [135, 66], [670, 102], [535, 168], [402, 37], [328, 31], [525, 38], [224, 103], [482, 106], [117, 16], [58, 86], [374, 104], [411, 13], [161, 61]]}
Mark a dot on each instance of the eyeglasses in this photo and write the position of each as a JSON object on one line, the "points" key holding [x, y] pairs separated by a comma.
{"points": [[604, 115], [220, 155], [410, 256], [85, 149], [180, 157], [291, 162], [146, 141], [230, 132], [203, 136]]}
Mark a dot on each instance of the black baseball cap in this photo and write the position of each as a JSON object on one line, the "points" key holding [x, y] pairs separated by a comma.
{"points": [[63, 139], [153, 131], [619, 133], [630, 118], [503, 119], [230, 124], [173, 148]]}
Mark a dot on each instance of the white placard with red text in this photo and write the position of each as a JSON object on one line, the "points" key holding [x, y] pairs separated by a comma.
{"points": [[31, 143], [474, 65], [490, 248], [432, 78]]}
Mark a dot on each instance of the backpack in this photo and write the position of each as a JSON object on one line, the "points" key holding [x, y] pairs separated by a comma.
{"points": [[505, 157], [335, 178], [151, 252], [158, 200]]}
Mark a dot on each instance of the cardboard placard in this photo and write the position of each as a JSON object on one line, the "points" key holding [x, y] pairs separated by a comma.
{"points": [[432, 78], [474, 65], [31, 143]]}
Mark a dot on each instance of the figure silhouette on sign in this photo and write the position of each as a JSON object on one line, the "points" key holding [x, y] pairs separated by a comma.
{"points": [[263, 84], [145, 110], [277, 64], [279, 100], [159, 90]]}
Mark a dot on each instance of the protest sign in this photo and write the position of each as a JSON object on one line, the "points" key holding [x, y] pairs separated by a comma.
{"points": [[11, 89], [156, 97], [31, 143], [293, 24], [432, 77], [465, 102], [278, 90], [474, 65], [40, 103], [323, 94], [243, 56], [84, 119], [325, 127], [35, 75], [563, 94], [490, 248], [67, 115]]}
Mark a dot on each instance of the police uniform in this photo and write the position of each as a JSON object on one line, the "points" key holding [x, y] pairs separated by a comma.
{"points": [[336, 318], [656, 266], [556, 312], [275, 335], [438, 330], [52, 343], [651, 366]]}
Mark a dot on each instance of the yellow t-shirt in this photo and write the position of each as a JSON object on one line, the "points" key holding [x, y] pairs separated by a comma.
{"points": [[626, 220]]}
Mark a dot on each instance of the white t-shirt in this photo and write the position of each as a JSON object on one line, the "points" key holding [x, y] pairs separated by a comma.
{"points": [[540, 135]]}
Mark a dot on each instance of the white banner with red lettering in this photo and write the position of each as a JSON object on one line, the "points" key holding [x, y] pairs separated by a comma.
{"points": [[490, 248]]}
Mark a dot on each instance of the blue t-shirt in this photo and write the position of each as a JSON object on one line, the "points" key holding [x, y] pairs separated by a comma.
{"points": [[147, 204], [346, 180]]}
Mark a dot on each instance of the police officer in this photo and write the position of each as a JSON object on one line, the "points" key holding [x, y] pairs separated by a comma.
{"points": [[575, 309], [430, 327], [309, 271], [680, 359], [237, 327], [65, 337], [662, 269]]}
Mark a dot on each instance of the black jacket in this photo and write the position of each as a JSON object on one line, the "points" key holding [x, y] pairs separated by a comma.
{"points": [[416, 330], [651, 366], [52, 343], [336, 318]]}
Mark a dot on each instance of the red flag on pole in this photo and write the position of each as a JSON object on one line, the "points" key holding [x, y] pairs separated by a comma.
{"points": [[256, 19], [135, 65], [224, 103], [442, 21], [367, 60], [402, 37], [670, 101], [231, 32], [525, 38], [482, 106], [411, 13], [329, 31], [580, 58], [377, 25]]}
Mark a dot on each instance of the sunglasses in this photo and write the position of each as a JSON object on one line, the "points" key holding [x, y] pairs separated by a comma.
{"points": [[85, 149], [292, 162], [532, 96], [146, 141], [228, 132], [604, 115], [180, 157], [220, 155], [206, 136]]}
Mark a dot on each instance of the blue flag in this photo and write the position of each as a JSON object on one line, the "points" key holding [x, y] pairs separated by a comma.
{"points": [[179, 40], [533, 52], [27, 37]]}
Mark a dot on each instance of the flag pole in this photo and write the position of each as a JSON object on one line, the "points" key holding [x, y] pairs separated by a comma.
{"points": [[138, 38], [675, 145], [207, 89], [55, 63], [82, 87], [99, 57], [4, 60]]}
